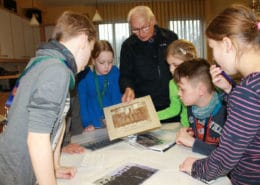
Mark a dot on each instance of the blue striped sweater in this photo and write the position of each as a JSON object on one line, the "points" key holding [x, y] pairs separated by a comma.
{"points": [[239, 149]]}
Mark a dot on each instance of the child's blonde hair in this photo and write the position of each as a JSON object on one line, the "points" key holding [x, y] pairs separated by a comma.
{"points": [[182, 49]]}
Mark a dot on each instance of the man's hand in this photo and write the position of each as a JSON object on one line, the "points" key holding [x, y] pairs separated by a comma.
{"points": [[129, 95]]}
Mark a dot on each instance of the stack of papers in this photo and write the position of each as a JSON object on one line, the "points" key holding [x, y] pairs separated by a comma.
{"points": [[159, 140]]}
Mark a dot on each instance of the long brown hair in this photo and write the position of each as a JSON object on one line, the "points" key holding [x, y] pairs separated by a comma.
{"points": [[236, 22], [101, 45]]}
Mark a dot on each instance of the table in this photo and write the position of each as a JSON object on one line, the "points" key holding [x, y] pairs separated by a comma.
{"points": [[108, 159]]}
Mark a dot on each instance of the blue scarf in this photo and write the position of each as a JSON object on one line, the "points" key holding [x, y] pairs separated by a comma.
{"points": [[205, 112]]}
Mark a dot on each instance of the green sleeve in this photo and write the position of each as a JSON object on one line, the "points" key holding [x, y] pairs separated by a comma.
{"points": [[175, 106], [175, 103], [184, 116]]}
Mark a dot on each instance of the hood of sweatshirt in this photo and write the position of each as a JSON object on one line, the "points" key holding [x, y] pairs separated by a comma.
{"points": [[55, 49]]}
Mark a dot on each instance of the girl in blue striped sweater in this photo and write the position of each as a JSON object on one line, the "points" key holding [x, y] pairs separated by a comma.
{"points": [[234, 36]]}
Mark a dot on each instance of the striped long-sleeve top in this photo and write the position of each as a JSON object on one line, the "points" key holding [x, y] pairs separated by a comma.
{"points": [[239, 149]]}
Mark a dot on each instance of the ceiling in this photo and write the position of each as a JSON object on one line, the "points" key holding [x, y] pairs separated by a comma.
{"points": [[82, 2]]}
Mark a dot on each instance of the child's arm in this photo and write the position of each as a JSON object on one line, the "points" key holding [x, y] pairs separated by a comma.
{"points": [[57, 150], [40, 148], [175, 103], [60, 171], [185, 137], [83, 99], [184, 116], [202, 147]]}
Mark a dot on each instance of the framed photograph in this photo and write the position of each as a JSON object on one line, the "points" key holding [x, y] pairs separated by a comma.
{"points": [[126, 119]]}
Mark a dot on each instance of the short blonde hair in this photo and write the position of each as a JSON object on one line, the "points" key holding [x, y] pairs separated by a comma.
{"points": [[182, 49], [142, 11], [71, 24]]}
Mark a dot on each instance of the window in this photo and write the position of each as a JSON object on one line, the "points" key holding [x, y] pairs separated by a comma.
{"points": [[191, 30], [115, 33]]}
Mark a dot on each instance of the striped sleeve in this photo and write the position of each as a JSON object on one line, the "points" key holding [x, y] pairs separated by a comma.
{"points": [[239, 149]]}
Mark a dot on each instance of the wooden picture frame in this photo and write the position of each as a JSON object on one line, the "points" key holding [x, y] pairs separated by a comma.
{"points": [[126, 119]]}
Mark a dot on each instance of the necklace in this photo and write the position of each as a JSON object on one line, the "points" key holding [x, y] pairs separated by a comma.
{"points": [[206, 128], [100, 93]]}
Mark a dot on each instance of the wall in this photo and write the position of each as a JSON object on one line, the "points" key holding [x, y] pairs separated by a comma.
{"points": [[217, 6], [51, 15], [121, 9], [118, 11], [214, 7]]}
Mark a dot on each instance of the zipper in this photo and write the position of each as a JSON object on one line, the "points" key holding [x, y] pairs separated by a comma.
{"points": [[159, 71]]}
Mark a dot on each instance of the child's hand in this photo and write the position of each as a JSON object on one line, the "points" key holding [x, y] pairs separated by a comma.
{"points": [[89, 128], [218, 80], [65, 172], [186, 166], [185, 137], [190, 131], [73, 148]]}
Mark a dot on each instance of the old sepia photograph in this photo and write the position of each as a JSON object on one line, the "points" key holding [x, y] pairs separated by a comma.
{"points": [[130, 118]]}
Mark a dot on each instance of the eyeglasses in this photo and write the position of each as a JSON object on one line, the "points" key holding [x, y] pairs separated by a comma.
{"points": [[144, 29]]}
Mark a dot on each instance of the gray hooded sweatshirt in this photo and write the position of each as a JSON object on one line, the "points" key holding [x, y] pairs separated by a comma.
{"points": [[39, 106]]}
